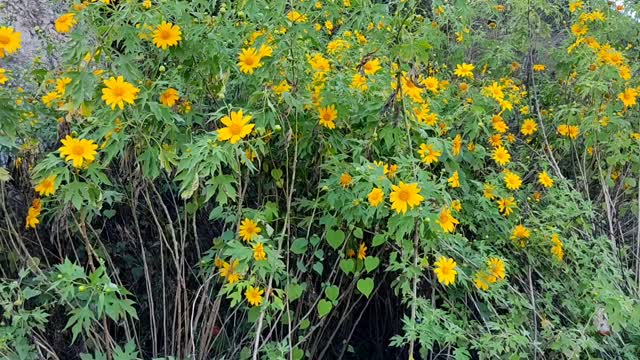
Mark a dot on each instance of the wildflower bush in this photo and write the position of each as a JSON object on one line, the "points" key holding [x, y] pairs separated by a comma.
{"points": [[318, 180]]}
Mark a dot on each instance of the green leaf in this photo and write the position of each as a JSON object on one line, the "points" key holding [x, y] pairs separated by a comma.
{"points": [[357, 232], [324, 307], [294, 291], [335, 238], [371, 263], [299, 246], [378, 240], [347, 265], [332, 292], [365, 286]]}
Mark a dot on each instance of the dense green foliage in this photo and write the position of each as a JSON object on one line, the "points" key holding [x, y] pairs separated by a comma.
{"points": [[341, 178]]}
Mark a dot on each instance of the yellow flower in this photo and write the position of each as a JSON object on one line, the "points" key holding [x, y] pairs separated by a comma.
{"points": [[428, 154], [488, 192], [494, 91], [169, 97], [345, 180], [496, 269], [557, 248], [359, 82], [237, 127], [229, 272], [118, 91], [258, 252], [520, 234], [65, 23], [579, 29], [445, 270], [431, 83], [371, 67], [249, 60], [505, 205], [32, 218], [454, 180], [539, 67], [61, 85], [78, 151], [501, 156], [529, 127], [499, 125], [376, 197], [296, 17], [282, 88], [545, 180], [457, 145], [248, 230], [254, 296], [456, 205], [446, 221], [410, 89], [390, 170], [362, 251], [405, 196], [319, 63], [481, 280], [3, 77], [9, 41], [327, 116], [50, 97], [464, 70], [628, 97], [146, 4], [570, 131], [575, 5], [167, 35], [46, 186], [512, 180]]}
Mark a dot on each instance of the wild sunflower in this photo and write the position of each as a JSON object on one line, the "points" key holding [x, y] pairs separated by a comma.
{"points": [[254, 296], [445, 270], [529, 127], [328, 115], [236, 128], [228, 271], [345, 180], [65, 23], [117, 92], [376, 197], [371, 67], [496, 269], [428, 154], [167, 35], [3, 77], [248, 230], [249, 60], [501, 156], [464, 70], [362, 251], [9, 41], [78, 151], [545, 180], [258, 252], [46, 186], [446, 221], [628, 97], [169, 97], [512, 180], [505, 205], [405, 196]]}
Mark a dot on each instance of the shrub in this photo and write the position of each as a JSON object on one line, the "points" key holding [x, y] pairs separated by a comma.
{"points": [[274, 180]]}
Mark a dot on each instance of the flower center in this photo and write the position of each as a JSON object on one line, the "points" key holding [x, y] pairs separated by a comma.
{"points": [[249, 60], [4, 39], [403, 195], [77, 150], [165, 34], [118, 91], [236, 129]]}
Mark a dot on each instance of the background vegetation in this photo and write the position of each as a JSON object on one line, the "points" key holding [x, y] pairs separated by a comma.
{"points": [[322, 179]]}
